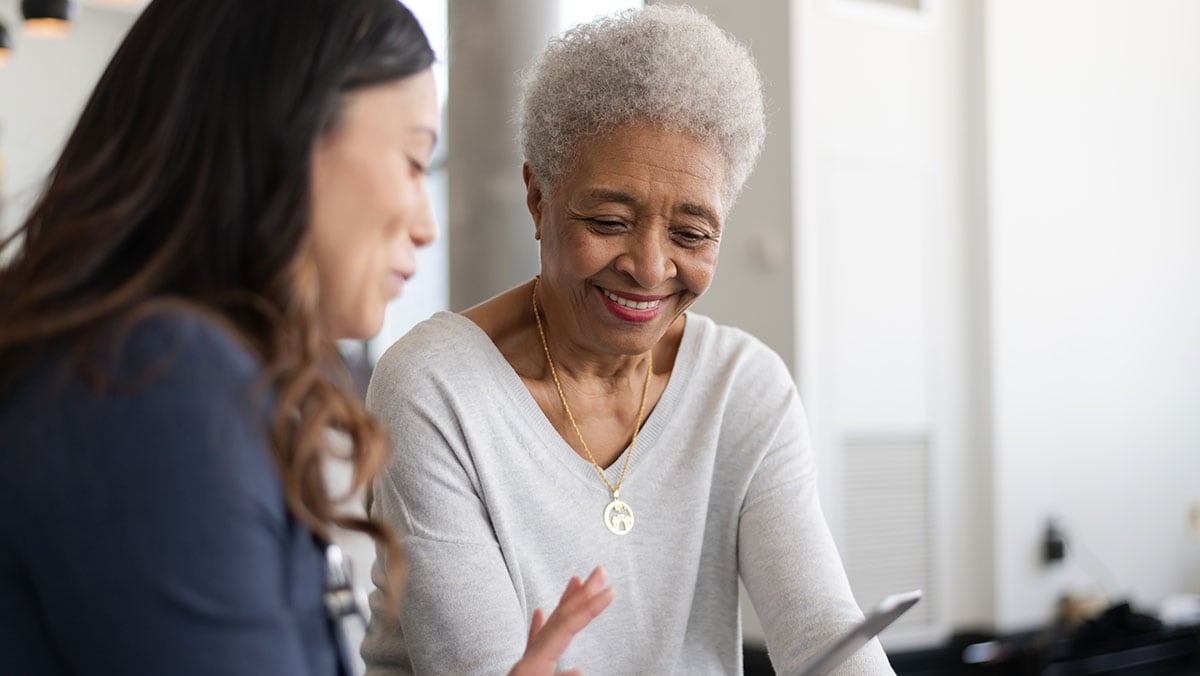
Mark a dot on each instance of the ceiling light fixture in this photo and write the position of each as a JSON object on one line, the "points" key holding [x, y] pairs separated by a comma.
{"points": [[5, 44], [47, 18]]}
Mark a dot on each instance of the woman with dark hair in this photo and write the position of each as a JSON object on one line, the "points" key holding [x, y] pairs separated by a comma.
{"points": [[244, 185]]}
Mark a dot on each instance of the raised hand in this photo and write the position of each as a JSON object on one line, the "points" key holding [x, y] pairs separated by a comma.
{"points": [[549, 638]]}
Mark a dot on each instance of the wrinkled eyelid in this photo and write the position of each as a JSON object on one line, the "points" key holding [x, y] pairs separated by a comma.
{"points": [[703, 229]]}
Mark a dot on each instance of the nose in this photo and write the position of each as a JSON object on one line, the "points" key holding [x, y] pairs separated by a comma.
{"points": [[648, 258], [424, 227]]}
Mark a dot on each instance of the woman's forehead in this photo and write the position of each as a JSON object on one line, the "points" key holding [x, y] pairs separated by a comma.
{"points": [[633, 164]]}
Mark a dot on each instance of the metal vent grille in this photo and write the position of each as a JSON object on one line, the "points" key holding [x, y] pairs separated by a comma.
{"points": [[887, 521]]}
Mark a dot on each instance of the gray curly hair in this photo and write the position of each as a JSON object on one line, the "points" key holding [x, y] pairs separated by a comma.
{"points": [[665, 64]]}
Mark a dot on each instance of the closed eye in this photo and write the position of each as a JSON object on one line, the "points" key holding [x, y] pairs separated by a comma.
{"points": [[419, 168], [606, 224], [691, 237]]}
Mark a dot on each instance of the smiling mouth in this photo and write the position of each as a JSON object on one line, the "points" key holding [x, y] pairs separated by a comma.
{"points": [[631, 304]]}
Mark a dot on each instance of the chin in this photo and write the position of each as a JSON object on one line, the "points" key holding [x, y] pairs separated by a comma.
{"points": [[369, 331], [365, 328]]}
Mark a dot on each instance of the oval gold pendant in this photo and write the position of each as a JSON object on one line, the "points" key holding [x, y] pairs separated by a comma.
{"points": [[618, 517]]}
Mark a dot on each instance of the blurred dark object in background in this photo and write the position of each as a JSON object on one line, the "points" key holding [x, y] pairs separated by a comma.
{"points": [[1117, 641]]}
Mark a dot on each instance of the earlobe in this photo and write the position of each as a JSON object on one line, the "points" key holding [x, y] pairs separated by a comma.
{"points": [[533, 199]]}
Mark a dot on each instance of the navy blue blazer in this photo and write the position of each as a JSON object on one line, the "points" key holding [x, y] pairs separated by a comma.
{"points": [[143, 528]]}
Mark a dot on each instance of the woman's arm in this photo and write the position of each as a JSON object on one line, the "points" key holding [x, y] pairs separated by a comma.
{"points": [[460, 611], [788, 559]]}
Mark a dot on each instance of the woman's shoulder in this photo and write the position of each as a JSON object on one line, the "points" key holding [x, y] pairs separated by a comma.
{"points": [[444, 359], [731, 349], [166, 399], [175, 373], [176, 343], [136, 355], [446, 342]]}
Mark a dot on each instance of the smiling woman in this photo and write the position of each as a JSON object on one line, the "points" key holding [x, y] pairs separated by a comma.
{"points": [[166, 344], [370, 207], [168, 376], [629, 239], [588, 416]]}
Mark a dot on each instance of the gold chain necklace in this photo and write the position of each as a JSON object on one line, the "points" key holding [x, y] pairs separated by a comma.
{"points": [[618, 515]]}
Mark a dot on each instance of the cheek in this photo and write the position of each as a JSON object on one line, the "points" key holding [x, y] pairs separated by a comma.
{"points": [[354, 227], [583, 251], [353, 288], [358, 231], [338, 269], [698, 270]]}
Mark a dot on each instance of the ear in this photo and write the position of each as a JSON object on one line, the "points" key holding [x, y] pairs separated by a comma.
{"points": [[533, 199]]}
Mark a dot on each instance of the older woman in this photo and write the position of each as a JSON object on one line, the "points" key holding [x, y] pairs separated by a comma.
{"points": [[586, 417]]}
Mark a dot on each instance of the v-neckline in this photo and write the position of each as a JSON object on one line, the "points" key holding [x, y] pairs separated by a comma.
{"points": [[563, 452]]}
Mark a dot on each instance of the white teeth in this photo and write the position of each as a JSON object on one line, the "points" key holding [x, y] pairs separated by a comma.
{"points": [[631, 304]]}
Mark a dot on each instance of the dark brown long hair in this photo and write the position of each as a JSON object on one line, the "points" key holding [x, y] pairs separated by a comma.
{"points": [[186, 181]]}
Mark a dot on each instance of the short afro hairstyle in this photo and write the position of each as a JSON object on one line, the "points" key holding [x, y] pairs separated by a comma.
{"points": [[664, 64]]}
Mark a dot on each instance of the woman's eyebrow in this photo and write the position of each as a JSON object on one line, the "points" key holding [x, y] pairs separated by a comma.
{"points": [[596, 195], [702, 211], [609, 195]]}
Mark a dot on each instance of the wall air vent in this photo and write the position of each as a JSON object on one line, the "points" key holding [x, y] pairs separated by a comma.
{"points": [[887, 521]]}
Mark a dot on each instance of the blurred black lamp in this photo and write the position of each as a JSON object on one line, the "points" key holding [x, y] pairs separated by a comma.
{"points": [[5, 44], [49, 18]]}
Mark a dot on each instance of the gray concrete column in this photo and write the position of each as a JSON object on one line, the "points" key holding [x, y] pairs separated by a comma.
{"points": [[489, 230]]}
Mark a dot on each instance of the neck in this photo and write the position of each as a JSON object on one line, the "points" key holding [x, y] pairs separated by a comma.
{"points": [[575, 361], [581, 365]]}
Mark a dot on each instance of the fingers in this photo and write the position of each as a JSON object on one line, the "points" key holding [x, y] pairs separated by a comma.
{"points": [[584, 603], [573, 585], [580, 605], [535, 625], [596, 605], [549, 637]]}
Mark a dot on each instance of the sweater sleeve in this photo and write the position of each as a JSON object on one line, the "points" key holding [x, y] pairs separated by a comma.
{"points": [[459, 612], [160, 541], [788, 560]]}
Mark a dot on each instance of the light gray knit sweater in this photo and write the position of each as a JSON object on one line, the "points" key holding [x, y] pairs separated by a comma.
{"points": [[497, 512]]}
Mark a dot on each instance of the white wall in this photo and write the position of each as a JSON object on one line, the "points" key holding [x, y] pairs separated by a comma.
{"points": [[1094, 169], [882, 236], [996, 234], [42, 90], [842, 253]]}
